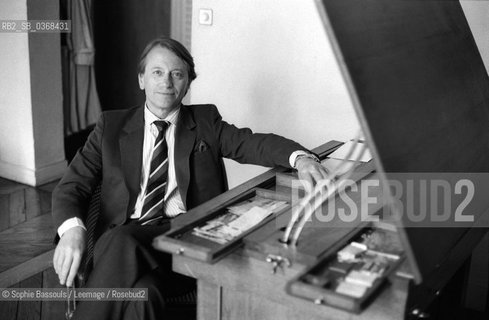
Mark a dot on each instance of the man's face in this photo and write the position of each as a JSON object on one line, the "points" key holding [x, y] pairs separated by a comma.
{"points": [[164, 81]]}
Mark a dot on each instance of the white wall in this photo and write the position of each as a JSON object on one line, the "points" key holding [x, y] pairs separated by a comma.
{"points": [[31, 111], [16, 129], [267, 64], [477, 14]]}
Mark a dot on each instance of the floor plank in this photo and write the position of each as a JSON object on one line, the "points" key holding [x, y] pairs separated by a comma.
{"points": [[30, 310], [8, 309], [8, 186], [32, 203], [45, 201], [17, 207], [4, 212], [26, 241], [52, 309]]}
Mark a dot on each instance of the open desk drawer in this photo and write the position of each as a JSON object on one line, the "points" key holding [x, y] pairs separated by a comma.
{"points": [[221, 230]]}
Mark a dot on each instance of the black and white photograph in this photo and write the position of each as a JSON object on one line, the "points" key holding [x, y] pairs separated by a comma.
{"points": [[244, 159]]}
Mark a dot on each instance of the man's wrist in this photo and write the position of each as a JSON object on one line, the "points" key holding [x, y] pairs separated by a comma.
{"points": [[300, 154], [70, 223]]}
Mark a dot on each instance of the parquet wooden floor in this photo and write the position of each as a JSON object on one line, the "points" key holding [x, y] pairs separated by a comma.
{"points": [[26, 249], [26, 229]]}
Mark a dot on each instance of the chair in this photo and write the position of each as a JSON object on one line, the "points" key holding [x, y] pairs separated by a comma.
{"points": [[183, 306], [92, 218]]}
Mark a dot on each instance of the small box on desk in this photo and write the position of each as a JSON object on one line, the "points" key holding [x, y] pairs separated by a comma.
{"points": [[350, 277]]}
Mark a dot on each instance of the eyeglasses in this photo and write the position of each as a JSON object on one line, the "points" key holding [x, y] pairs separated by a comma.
{"points": [[71, 304]]}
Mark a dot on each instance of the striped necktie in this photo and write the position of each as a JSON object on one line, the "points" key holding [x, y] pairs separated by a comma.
{"points": [[156, 186]]}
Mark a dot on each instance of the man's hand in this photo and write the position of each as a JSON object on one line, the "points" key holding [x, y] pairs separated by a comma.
{"points": [[68, 254], [310, 172]]}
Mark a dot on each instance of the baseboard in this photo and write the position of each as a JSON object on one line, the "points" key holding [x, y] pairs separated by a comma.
{"points": [[32, 177], [50, 173]]}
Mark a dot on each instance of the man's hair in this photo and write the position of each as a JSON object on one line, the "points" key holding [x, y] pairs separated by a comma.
{"points": [[174, 46]]}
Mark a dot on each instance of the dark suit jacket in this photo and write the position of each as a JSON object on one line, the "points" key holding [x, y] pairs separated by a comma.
{"points": [[112, 156]]}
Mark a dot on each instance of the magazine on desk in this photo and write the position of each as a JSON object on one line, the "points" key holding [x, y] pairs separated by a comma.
{"points": [[238, 218]]}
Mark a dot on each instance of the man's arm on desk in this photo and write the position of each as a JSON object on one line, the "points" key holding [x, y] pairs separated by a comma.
{"points": [[269, 150]]}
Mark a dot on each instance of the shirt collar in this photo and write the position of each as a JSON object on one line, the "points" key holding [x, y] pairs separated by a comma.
{"points": [[149, 117]]}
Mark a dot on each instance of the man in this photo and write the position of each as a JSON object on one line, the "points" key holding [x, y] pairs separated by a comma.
{"points": [[150, 171]]}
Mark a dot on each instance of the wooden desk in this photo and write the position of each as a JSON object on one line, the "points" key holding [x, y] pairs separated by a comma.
{"points": [[241, 286]]}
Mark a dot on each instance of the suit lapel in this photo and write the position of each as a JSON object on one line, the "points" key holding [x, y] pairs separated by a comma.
{"points": [[184, 142], [131, 146]]}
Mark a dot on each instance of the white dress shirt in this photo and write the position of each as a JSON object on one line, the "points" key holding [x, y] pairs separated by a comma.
{"points": [[173, 204]]}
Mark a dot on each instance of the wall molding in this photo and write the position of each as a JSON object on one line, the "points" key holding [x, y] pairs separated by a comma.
{"points": [[33, 177]]}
